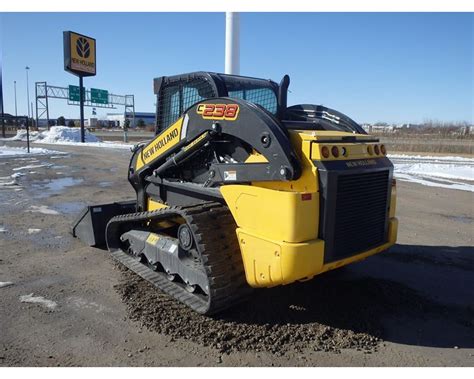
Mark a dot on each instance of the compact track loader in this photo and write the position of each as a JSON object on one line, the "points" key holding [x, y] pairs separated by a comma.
{"points": [[238, 190]]}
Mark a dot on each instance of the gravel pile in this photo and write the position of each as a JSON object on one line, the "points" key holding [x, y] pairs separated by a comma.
{"points": [[329, 313]]}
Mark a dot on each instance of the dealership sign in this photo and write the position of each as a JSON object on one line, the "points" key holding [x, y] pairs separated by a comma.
{"points": [[79, 54]]}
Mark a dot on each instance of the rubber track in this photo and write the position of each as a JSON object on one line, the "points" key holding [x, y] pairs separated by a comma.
{"points": [[214, 233]]}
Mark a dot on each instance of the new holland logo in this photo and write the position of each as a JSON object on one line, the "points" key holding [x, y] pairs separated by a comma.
{"points": [[79, 54], [83, 48]]}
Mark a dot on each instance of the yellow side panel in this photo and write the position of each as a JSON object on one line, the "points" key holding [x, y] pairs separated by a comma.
{"points": [[277, 215], [160, 144], [270, 263]]}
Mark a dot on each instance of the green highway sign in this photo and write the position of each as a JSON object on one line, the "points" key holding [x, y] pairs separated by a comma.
{"points": [[99, 96], [74, 94]]}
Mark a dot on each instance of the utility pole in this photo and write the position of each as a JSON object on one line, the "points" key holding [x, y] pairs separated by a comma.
{"points": [[232, 43], [16, 110], [27, 92], [32, 116]]}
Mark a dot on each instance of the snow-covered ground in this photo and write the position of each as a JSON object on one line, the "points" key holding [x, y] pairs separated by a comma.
{"points": [[22, 152], [435, 171], [63, 135], [39, 300]]}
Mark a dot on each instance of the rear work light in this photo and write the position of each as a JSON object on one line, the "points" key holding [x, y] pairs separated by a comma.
{"points": [[325, 152], [376, 149], [369, 150], [383, 149], [335, 151]]}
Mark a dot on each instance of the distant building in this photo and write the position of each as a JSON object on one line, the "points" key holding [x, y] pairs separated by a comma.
{"points": [[383, 128], [118, 119], [367, 128], [91, 122]]}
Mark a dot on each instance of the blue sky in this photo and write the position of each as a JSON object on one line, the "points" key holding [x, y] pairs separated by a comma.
{"points": [[394, 67]]}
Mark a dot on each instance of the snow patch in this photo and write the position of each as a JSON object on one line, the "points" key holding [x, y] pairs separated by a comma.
{"points": [[33, 231], [8, 184], [39, 300], [29, 167], [65, 134], [21, 136], [444, 171], [17, 175], [5, 284], [19, 152], [440, 184], [55, 134], [107, 145], [440, 158], [42, 209], [3, 229]]}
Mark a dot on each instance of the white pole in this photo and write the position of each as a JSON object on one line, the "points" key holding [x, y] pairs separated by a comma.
{"points": [[232, 43]]}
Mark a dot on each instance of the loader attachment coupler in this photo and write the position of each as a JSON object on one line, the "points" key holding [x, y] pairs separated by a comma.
{"points": [[90, 224]]}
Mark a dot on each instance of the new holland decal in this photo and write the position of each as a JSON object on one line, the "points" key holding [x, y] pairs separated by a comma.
{"points": [[163, 142], [361, 163], [228, 112]]}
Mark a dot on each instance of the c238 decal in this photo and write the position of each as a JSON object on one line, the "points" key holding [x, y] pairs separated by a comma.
{"points": [[228, 112]]}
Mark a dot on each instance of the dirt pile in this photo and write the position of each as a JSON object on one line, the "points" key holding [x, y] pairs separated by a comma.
{"points": [[327, 314]]}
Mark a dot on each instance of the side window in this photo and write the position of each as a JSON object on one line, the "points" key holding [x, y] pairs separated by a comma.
{"points": [[190, 97], [177, 98], [175, 108], [168, 109], [264, 97]]}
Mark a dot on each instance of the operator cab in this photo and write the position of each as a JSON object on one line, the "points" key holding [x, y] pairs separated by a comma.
{"points": [[175, 94]]}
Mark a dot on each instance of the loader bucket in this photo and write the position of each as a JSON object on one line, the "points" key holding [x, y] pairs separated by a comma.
{"points": [[90, 224]]}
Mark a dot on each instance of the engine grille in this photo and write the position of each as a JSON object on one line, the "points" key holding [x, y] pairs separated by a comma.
{"points": [[360, 215], [361, 212]]}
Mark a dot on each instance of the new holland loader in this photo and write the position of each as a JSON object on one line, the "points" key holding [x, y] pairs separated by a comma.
{"points": [[238, 190]]}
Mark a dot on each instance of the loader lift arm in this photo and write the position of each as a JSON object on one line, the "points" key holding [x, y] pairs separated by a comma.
{"points": [[252, 129]]}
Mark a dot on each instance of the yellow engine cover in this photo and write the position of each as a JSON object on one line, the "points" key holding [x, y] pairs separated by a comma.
{"points": [[279, 215], [278, 221]]}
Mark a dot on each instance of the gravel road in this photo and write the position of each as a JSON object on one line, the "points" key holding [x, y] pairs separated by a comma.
{"points": [[64, 304]]}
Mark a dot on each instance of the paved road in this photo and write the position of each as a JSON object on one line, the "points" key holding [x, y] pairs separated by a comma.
{"points": [[417, 299]]}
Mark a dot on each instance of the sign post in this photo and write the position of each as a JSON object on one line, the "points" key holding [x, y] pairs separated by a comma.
{"points": [[80, 60], [28, 134]]}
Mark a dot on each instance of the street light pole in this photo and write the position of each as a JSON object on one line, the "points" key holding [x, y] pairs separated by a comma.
{"points": [[27, 92], [28, 107]]}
